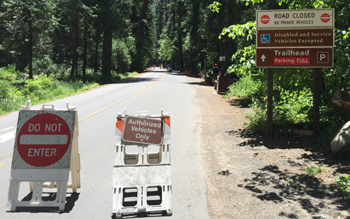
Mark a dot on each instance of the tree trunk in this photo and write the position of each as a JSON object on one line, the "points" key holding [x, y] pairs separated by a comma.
{"points": [[222, 52], [30, 46], [179, 38], [143, 15], [193, 63], [97, 42], [23, 57], [85, 48], [75, 42], [173, 56], [181, 58], [107, 53]]}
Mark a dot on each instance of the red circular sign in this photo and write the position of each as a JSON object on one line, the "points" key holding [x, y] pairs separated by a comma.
{"points": [[43, 140], [325, 18], [265, 19]]}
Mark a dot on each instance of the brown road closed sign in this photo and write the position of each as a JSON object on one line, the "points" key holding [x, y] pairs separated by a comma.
{"points": [[294, 57], [295, 38], [143, 130]]}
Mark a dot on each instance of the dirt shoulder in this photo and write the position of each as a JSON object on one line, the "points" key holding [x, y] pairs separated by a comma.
{"points": [[249, 176]]}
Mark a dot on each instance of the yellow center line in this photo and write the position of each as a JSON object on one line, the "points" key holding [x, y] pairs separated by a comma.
{"points": [[102, 109], [109, 106], [134, 95], [148, 86], [5, 159]]}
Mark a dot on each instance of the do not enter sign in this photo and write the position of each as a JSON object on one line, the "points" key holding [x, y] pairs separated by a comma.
{"points": [[325, 18], [43, 139], [265, 19]]}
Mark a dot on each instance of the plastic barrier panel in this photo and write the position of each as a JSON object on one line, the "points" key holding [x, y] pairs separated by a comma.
{"points": [[45, 150], [142, 168]]}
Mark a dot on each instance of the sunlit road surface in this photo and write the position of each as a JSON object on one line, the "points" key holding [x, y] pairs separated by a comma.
{"points": [[97, 110]]}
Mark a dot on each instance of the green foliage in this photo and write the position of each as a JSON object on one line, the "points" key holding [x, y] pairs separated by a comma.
{"points": [[314, 170], [343, 184], [329, 131], [258, 122], [293, 106], [255, 1], [121, 59], [292, 87], [8, 73], [244, 60], [215, 7], [5, 89], [247, 87], [43, 88], [240, 30], [47, 67], [166, 48]]}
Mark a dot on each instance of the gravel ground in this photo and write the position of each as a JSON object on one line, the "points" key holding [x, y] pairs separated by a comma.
{"points": [[249, 176]]}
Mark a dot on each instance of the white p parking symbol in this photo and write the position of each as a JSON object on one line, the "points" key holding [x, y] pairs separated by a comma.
{"points": [[322, 57]]}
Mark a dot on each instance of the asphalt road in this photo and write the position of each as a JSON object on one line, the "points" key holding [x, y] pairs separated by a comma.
{"points": [[97, 110]]}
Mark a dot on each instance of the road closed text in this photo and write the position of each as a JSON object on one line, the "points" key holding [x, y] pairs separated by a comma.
{"points": [[294, 15]]}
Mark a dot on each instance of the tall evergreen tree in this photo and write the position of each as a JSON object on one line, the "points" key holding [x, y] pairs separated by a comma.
{"points": [[112, 15], [25, 23]]}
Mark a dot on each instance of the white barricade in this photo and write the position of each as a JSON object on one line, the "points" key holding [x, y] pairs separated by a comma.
{"points": [[142, 179], [45, 150]]}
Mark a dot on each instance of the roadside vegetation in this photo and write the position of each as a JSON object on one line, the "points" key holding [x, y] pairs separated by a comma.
{"points": [[50, 49], [292, 87], [16, 89], [314, 170], [46, 45], [343, 184]]}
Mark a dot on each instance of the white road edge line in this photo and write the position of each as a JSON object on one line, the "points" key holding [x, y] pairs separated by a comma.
{"points": [[6, 129], [7, 136]]}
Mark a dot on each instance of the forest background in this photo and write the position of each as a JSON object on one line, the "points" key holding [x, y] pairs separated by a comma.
{"points": [[55, 48]]}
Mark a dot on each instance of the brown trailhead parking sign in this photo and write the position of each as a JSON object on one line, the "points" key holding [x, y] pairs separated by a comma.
{"points": [[143, 130]]}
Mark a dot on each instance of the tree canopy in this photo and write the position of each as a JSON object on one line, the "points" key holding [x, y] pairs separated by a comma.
{"points": [[69, 37]]}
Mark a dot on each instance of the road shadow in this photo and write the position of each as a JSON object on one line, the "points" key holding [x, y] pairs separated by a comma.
{"points": [[240, 102], [277, 183], [201, 83], [319, 154], [184, 74], [271, 184], [135, 80], [140, 215], [49, 196]]}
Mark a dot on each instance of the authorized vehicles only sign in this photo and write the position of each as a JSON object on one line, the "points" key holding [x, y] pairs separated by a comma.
{"points": [[143, 130]]}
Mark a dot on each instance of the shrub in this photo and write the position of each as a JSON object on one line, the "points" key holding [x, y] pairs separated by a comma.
{"points": [[314, 170], [247, 87], [343, 184], [121, 59], [5, 89]]}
